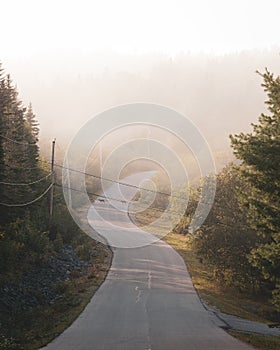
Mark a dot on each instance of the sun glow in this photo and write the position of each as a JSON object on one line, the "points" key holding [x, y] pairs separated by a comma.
{"points": [[127, 26]]}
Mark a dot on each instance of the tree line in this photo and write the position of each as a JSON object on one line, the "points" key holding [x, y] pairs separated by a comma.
{"points": [[27, 235], [240, 238]]}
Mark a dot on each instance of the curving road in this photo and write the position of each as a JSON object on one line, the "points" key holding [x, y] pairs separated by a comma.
{"points": [[147, 300]]}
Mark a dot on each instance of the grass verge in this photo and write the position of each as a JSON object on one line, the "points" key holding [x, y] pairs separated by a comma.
{"points": [[37, 327], [263, 342], [225, 299]]}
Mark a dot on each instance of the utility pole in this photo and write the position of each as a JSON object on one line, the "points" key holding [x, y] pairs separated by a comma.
{"points": [[68, 183], [53, 180]]}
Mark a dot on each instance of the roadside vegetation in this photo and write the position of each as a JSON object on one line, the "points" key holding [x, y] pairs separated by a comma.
{"points": [[240, 238], [225, 298], [31, 240], [234, 257]]}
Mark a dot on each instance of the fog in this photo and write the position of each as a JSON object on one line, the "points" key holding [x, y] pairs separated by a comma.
{"points": [[220, 94]]}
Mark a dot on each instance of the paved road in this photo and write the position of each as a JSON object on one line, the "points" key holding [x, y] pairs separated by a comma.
{"points": [[111, 218], [147, 302]]}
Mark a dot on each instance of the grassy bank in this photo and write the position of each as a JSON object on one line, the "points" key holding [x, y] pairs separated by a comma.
{"points": [[32, 329], [225, 299]]}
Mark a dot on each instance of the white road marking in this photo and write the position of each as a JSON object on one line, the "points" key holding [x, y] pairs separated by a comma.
{"points": [[149, 279]]}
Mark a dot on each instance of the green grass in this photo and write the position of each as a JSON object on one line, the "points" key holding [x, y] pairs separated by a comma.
{"points": [[33, 329]]}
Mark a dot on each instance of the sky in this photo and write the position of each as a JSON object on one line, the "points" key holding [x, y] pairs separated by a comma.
{"points": [[128, 26], [75, 58]]}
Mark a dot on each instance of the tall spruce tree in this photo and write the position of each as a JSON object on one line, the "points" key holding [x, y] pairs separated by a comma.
{"points": [[32, 134], [2, 169], [259, 152], [14, 145], [20, 152]]}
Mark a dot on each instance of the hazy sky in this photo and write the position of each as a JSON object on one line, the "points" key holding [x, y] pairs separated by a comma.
{"points": [[129, 26], [73, 59]]}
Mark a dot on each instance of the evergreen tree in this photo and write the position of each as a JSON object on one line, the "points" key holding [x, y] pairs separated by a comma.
{"points": [[259, 152], [20, 152], [14, 146], [32, 134], [31, 123], [2, 169]]}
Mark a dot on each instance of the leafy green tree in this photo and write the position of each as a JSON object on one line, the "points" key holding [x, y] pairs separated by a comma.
{"points": [[226, 239], [259, 153], [182, 227]]}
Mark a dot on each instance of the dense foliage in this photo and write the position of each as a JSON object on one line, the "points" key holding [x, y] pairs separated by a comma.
{"points": [[259, 153], [27, 236], [21, 240], [240, 238]]}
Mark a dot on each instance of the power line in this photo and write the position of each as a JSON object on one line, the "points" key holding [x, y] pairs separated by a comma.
{"points": [[18, 142], [130, 185], [119, 182], [28, 203], [161, 210], [114, 199], [140, 188], [93, 194], [158, 209], [26, 184], [126, 184]]}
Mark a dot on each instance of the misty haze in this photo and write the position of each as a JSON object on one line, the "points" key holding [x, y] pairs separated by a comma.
{"points": [[221, 94], [139, 175]]}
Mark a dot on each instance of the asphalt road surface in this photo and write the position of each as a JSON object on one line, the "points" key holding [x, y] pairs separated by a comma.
{"points": [[147, 300]]}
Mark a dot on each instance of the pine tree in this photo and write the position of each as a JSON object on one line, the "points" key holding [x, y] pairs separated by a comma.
{"points": [[32, 133], [2, 169], [259, 152], [14, 144], [31, 123], [20, 151]]}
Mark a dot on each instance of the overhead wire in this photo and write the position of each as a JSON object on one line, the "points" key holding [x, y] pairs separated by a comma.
{"points": [[128, 185], [81, 172], [118, 182], [111, 198], [93, 194], [90, 193]]}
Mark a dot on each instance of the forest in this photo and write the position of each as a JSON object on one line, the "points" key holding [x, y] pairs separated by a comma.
{"points": [[38, 252], [27, 233]]}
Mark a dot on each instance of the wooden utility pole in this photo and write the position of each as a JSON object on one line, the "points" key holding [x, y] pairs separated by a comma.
{"points": [[53, 179], [68, 183]]}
